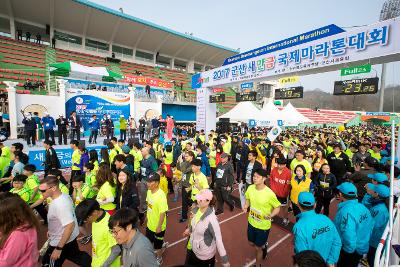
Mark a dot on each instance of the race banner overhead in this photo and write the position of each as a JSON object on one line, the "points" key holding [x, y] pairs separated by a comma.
{"points": [[363, 43]]}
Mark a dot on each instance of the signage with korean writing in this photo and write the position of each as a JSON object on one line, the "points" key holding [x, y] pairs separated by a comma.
{"points": [[356, 70], [218, 98], [87, 103], [251, 96], [247, 85], [218, 90], [141, 80], [37, 157], [362, 43], [293, 79], [289, 93], [356, 86]]}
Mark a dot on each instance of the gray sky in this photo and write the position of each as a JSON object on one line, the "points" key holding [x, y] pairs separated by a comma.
{"points": [[253, 23]]}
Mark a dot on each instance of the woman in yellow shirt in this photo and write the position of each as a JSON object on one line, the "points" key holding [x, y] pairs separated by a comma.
{"points": [[107, 188], [318, 161]]}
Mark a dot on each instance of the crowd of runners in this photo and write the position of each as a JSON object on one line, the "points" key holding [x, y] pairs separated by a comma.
{"points": [[117, 199]]}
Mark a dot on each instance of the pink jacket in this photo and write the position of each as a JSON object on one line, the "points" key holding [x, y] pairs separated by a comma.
{"points": [[206, 236], [20, 249]]}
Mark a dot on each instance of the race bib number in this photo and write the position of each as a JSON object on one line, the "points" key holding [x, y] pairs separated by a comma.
{"points": [[238, 156], [143, 171], [220, 173], [256, 214], [324, 184]]}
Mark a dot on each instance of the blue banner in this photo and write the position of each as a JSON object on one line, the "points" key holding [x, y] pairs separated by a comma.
{"points": [[88, 103], [37, 157], [289, 42], [246, 85]]}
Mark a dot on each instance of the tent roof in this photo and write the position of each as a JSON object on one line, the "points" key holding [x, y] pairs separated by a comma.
{"points": [[269, 112], [291, 115], [243, 111]]}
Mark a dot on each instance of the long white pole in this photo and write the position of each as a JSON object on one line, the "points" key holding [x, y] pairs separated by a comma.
{"points": [[391, 198]]}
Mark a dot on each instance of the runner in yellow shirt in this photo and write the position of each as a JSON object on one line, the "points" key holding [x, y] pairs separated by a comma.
{"points": [[105, 250], [263, 205], [197, 180], [157, 208], [19, 189]]}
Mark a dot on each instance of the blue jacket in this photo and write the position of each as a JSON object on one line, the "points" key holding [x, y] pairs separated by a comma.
{"points": [[48, 123], [354, 224], [317, 232], [380, 215], [94, 124], [367, 201], [205, 165]]}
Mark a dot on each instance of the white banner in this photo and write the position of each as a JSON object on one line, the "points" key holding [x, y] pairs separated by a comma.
{"points": [[362, 43]]}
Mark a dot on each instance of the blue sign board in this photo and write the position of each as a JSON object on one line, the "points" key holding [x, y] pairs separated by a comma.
{"points": [[248, 85], [252, 123], [286, 43], [280, 122], [37, 157]]}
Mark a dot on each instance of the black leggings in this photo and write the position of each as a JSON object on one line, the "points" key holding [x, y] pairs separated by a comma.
{"points": [[323, 202], [193, 261], [70, 252]]}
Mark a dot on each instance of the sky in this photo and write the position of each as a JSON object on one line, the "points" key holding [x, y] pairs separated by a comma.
{"points": [[253, 23]]}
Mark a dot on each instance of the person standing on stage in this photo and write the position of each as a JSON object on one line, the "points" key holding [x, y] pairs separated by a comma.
{"points": [[48, 126], [94, 126], [62, 124], [122, 127], [75, 124], [30, 128]]}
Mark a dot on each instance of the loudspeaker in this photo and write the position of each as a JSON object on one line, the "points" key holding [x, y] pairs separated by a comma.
{"points": [[48, 29], [106, 141], [82, 143]]}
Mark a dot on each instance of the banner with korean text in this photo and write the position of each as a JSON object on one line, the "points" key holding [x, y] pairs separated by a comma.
{"points": [[37, 157], [152, 82], [361, 44]]}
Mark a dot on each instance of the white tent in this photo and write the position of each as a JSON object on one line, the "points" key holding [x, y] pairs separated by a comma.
{"points": [[292, 117], [242, 112], [269, 112]]}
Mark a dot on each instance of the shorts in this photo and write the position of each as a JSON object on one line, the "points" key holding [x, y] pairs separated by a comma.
{"points": [[257, 236], [156, 239], [283, 200]]}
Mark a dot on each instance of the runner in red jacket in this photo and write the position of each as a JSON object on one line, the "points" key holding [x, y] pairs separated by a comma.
{"points": [[280, 183]]}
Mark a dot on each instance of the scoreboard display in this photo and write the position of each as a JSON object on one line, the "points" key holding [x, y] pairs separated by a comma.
{"points": [[356, 86], [250, 96], [289, 93], [218, 98]]}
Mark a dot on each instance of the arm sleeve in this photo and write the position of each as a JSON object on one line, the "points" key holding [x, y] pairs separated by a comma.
{"points": [[299, 241], [115, 252], [335, 249], [348, 229], [216, 232], [108, 200]]}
